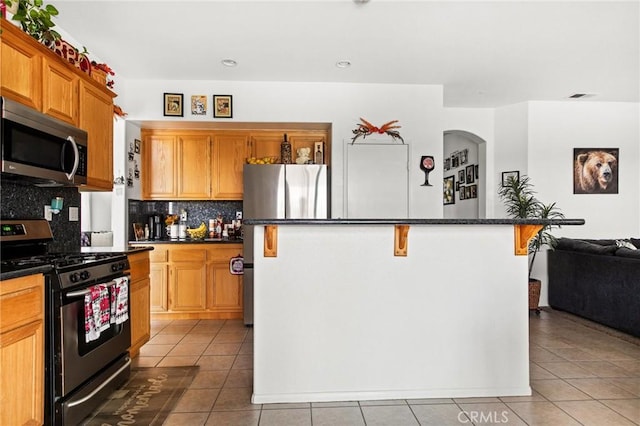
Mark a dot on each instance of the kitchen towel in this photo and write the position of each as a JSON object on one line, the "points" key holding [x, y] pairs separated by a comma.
{"points": [[97, 312], [120, 300]]}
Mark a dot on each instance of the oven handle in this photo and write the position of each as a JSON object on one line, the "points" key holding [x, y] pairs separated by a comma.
{"points": [[102, 385], [78, 293]]}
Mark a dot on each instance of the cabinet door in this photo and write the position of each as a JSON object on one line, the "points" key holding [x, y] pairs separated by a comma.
{"points": [[140, 316], [20, 68], [21, 350], [22, 370], [187, 286], [96, 117], [159, 285], [266, 144], [224, 289], [159, 167], [59, 91], [229, 156], [194, 169]]}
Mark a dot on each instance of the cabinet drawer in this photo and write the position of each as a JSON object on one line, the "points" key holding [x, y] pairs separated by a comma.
{"points": [[188, 255], [139, 268], [158, 254], [22, 301]]}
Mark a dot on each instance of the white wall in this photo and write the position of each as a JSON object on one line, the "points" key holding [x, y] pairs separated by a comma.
{"points": [[555, 129], [511, 139], [417, 107]]}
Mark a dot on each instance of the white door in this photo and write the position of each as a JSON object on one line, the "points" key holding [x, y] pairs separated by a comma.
{"points": [[377, 181]]}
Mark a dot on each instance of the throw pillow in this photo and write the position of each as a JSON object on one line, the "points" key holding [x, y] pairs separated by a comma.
{"points": [[625, 244]]}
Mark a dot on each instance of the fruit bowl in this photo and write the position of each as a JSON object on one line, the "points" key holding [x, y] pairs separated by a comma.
{"points": [[262, 160]]}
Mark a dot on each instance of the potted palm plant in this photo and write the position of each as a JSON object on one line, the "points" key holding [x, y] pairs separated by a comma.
{"points": [[520, 202]]}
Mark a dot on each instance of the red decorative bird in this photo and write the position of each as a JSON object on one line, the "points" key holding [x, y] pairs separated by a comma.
{"points": [[365, 129]]}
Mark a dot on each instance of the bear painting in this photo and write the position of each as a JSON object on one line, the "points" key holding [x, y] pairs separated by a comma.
{"points": [[595, 171]]}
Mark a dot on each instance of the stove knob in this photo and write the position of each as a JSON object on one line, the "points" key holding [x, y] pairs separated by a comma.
{"points": [[84, 275], [74, 277], [114, 267]]}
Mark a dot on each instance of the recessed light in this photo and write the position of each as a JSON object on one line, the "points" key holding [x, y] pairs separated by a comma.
{"points": [[229, 63], [343, 64]]}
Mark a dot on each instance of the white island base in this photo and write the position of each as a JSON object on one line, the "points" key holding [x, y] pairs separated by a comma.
{"points": [[339, 317]]}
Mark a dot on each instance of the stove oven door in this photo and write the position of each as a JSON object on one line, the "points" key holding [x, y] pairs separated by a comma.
{"points": [[88, 366]]}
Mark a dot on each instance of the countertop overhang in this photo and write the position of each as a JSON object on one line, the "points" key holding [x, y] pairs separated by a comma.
{"points": [[338, 221]]}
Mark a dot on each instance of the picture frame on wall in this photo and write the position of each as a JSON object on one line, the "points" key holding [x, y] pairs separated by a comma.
{"points": [[474, 191], [173, 105], [461, 195], [512, 174], [198, 105], [461, 176], [448, 190], [477, 171], [222, 106], [464, 157], [471, 173], [595, 170]]}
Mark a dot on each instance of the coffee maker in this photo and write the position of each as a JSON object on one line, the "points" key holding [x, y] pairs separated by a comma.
{"points": [[156, 227]]}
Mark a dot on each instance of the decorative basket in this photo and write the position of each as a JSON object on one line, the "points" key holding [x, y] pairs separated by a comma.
{"points": [[99, 76]]}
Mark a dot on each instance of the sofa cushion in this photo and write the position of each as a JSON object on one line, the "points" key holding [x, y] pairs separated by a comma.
{"points": [[635, 242], [600, 242], [625, 252], [585, 246]]}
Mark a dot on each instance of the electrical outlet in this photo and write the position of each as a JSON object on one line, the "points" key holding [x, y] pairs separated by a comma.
{"points": [[47, 213], [73, 214]]}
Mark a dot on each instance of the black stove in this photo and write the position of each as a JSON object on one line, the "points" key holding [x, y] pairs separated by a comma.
{"points": [[24, 247]]}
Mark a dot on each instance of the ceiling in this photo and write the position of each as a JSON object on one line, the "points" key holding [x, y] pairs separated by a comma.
{"points": [[485, 54]]}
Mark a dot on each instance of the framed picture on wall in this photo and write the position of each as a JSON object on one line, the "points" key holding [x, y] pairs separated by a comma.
{"points": [[448, 190], [222, 106], [173, 105], [464, 156], [595, 170], [461, 176], [471, 174], [461, 195], [510, 175]]}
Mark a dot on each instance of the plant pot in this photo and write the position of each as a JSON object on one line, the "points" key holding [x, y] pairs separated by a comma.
{"points": [[534, 294]]}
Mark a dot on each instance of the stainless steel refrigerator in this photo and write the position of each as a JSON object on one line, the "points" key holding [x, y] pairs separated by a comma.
{"points": [[279, 191]]}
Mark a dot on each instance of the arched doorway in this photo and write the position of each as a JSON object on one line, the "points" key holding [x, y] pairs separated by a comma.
{"points": [[465, 165]]}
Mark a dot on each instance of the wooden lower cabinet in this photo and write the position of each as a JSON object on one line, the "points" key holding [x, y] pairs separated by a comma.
{"points": [[22, 350], [193, 280], [139, 303]]}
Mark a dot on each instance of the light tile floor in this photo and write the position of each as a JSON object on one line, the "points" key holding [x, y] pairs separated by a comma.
{"points": [[581, 374]]}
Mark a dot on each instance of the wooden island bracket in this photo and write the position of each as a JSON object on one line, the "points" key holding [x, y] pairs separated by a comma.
{"points": [[271, 241], [522, 235], [400, 240]]}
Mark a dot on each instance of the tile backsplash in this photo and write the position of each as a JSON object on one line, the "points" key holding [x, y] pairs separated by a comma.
{"points": [[22, 200], [197, 211]]}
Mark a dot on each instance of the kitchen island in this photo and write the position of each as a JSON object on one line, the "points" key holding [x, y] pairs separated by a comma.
{"points": [[391, 309]]}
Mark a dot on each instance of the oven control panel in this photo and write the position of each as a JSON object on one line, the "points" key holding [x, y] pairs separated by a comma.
{"points": [[13, 229]]}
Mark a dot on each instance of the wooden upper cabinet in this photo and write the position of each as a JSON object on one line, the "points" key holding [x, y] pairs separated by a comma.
{"points": [[59, 91], [96, 117], [266, 144], [229, 156], [194, 167], [36, 77], [20, 68], [159, 166]]}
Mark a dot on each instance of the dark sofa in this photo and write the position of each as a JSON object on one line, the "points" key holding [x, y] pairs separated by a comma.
{"points": [[598, 280]]}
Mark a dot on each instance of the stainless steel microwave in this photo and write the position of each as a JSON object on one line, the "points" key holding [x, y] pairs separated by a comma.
{"points": [[41, 148]]}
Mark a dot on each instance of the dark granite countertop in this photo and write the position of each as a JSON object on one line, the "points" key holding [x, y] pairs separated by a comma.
{"points": [[505, 221], [190, 241], [25, 272], [129, 250]]}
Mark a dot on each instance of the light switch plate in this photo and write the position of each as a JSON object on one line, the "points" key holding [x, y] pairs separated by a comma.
{"points": [[73, 214], [47, 213]]}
